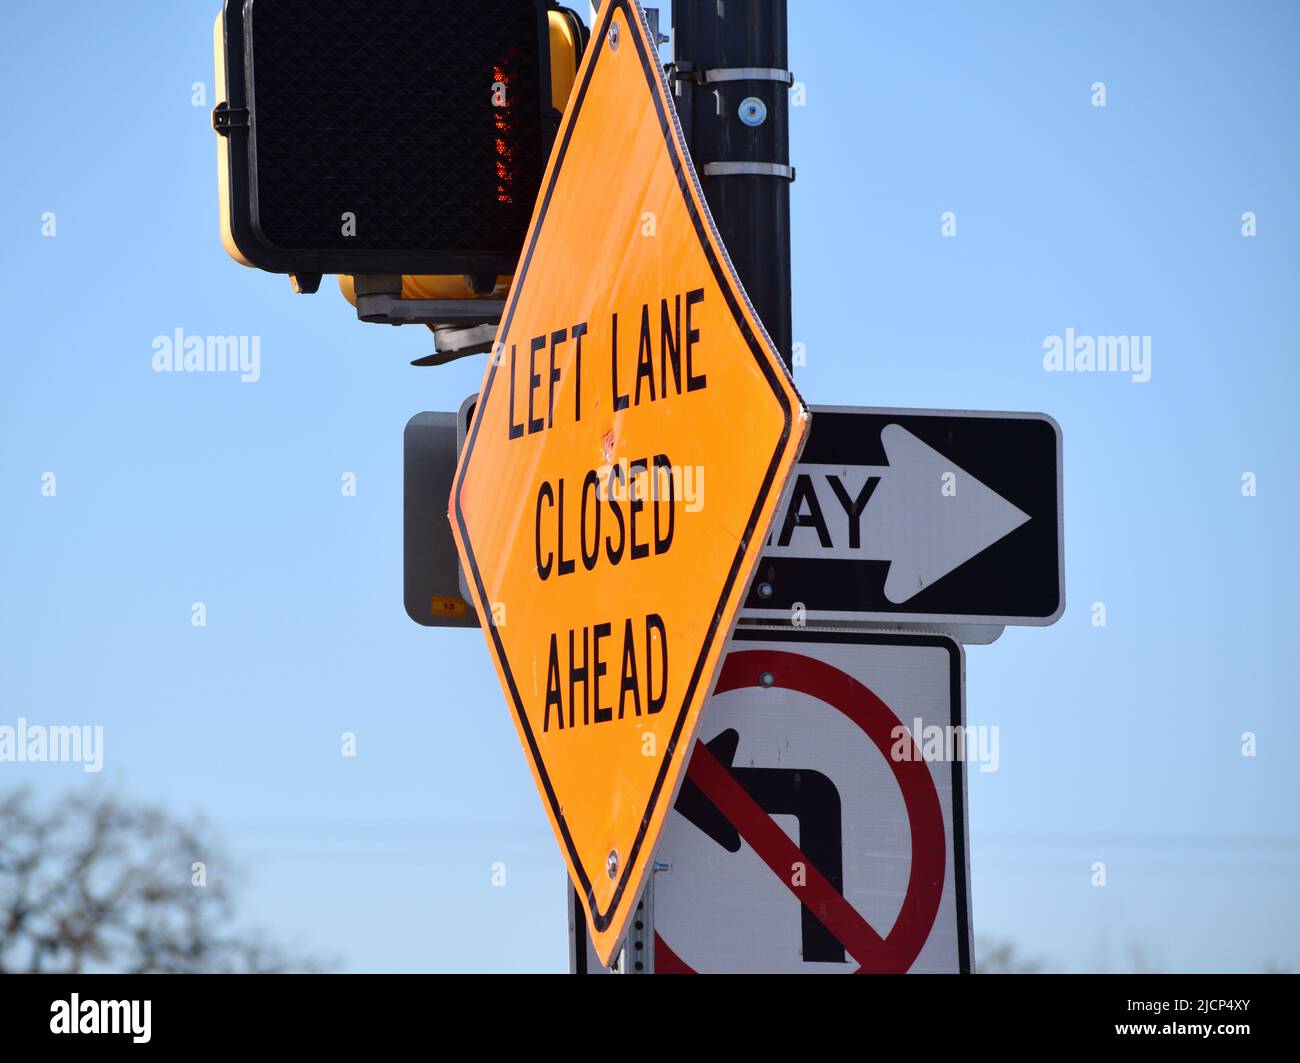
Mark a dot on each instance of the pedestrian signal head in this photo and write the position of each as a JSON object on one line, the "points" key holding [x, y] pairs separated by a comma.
{"points": [[385, 136]]}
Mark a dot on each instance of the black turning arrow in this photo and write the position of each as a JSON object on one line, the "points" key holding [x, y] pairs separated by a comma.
{"points": [[810, 797]]}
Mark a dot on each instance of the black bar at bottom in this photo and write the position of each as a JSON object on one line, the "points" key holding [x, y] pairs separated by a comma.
{"points": [[376, 1011]]}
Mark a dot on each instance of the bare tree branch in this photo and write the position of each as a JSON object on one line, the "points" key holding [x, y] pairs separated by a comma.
{"points": [[92, 884]]}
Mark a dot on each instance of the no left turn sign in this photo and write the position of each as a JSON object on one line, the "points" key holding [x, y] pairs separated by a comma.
{"points": [[816, 832]]}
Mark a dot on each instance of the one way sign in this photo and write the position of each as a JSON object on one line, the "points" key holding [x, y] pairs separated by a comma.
{"points": [[918, 515]]}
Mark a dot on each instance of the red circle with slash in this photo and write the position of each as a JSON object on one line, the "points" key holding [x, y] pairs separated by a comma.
{"points": [[896, 952]]}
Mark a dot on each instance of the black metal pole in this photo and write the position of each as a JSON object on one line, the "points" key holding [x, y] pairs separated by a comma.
{"points": [[732, 94]]}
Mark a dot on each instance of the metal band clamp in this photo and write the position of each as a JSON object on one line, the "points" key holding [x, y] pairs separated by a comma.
{"points": [[748, 169], [708, 75]]}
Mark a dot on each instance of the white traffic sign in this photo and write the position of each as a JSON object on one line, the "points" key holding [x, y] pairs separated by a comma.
{"points": [[821, 827]]}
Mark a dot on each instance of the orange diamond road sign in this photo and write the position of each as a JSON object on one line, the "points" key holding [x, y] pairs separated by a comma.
{"points": [[623, 466]]}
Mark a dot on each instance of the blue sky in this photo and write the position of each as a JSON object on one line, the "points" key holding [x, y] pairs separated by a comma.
{"points": [[1119, 744]]}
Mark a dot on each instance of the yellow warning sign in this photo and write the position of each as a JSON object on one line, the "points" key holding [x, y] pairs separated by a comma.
{"points": [[633, 434]]}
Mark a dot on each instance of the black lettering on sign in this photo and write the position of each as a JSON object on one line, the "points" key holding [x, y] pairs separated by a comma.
{"points": [[693, 382], [645, 369], [543, 568], [557, 338], [628, 679], [643, 673], [602, 713], [620, 401], [804, 492], [516, 430], [637, 474], [534, 380], [655, 632], [590, 500], [612, 493], [670, 346], [566, 563], [553, 687], [643, 387], [853, 507], [554, 374], [578, 674], [665, 490], [638, 483], [578, 331]]}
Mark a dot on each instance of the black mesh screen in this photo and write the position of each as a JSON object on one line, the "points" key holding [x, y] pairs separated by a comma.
{"points": [[385, 109]]}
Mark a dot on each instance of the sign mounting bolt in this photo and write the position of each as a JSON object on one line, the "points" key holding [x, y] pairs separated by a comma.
{"points": [[611, 863], [613, 36], [753, 111]]}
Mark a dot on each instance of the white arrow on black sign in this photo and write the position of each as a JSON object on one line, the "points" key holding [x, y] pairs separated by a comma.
{"points": [[927, 516]]}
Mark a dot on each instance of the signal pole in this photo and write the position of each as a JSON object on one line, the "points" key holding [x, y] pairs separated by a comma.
{"points": [[731, 85], [732, 93]]}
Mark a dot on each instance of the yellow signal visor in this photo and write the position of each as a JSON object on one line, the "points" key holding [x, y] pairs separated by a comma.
{"points": [[223, 147]]}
